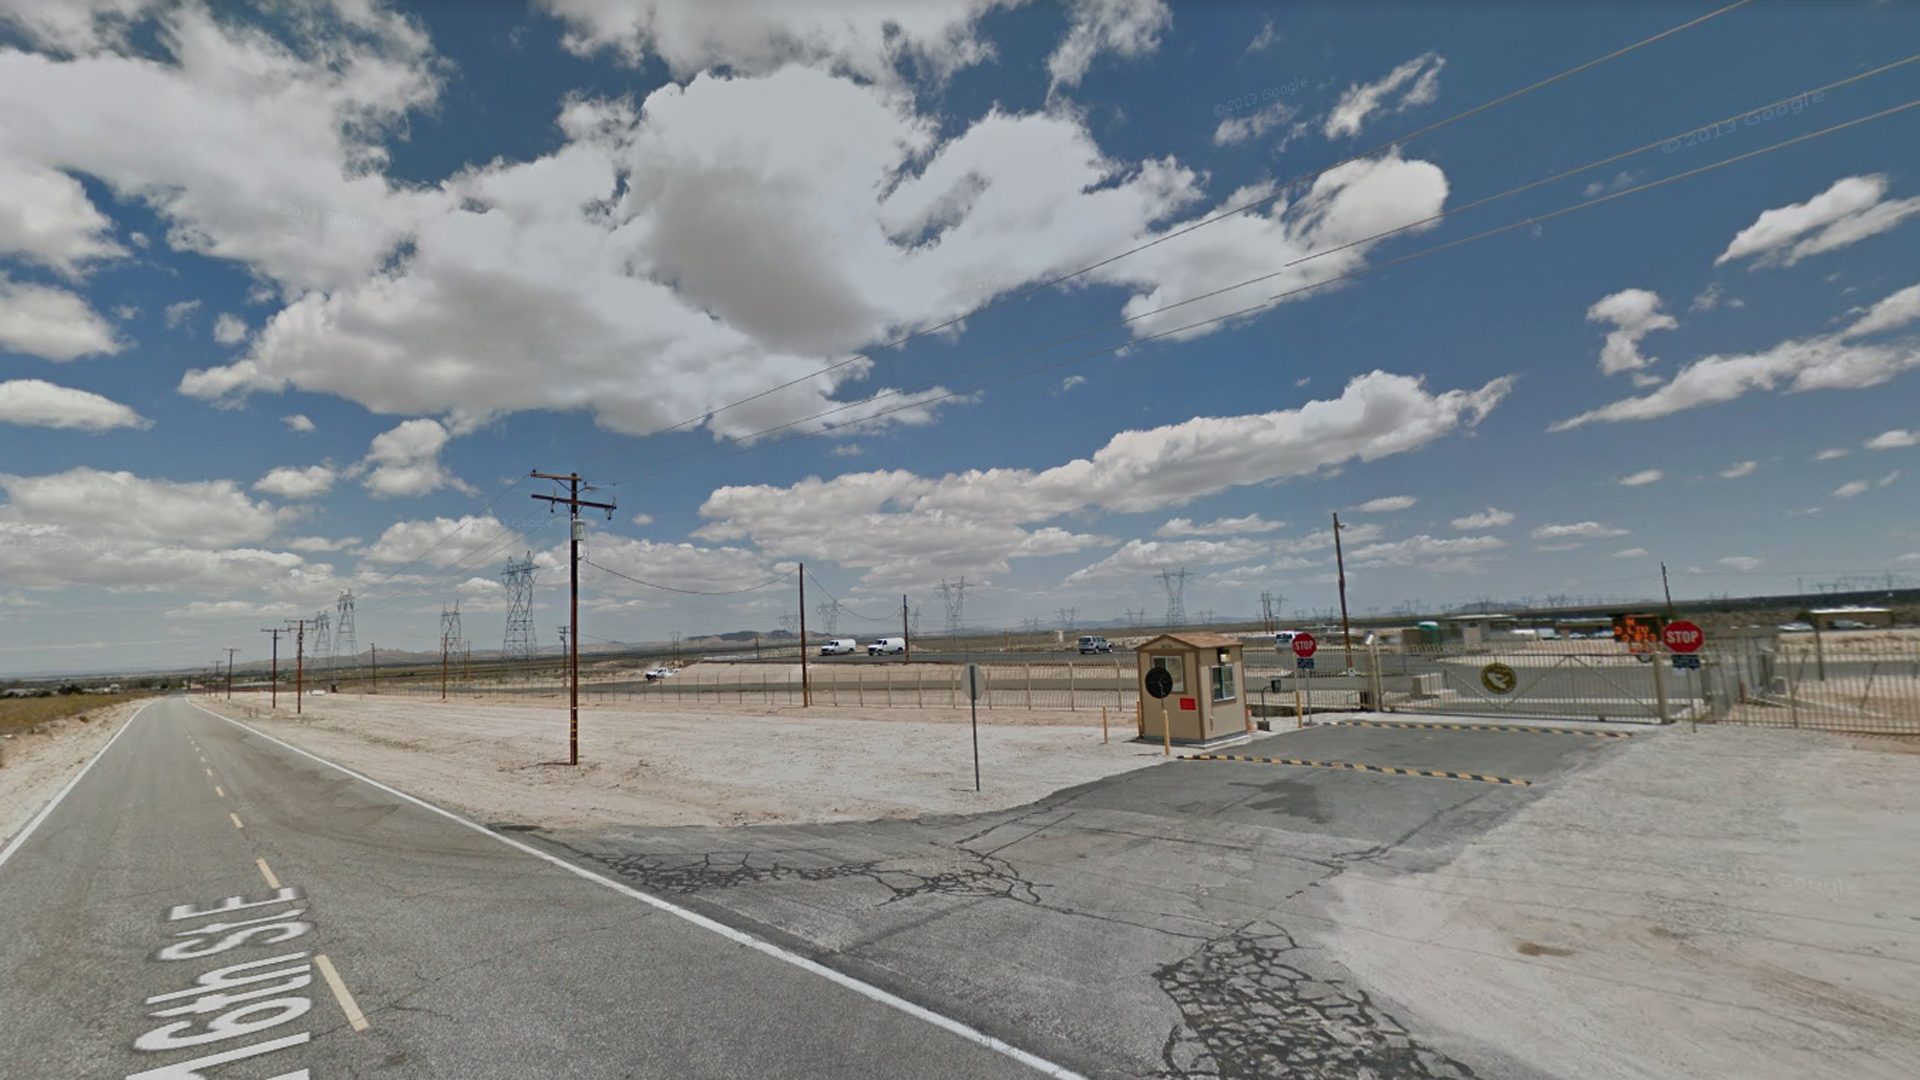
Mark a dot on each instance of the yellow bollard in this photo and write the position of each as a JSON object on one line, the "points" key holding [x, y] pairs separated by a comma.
{"points": [[1166, 729]]}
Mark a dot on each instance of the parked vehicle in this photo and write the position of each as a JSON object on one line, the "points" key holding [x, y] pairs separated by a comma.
{"points": [[1094, 643], [840, 646], [1283, 641], [1796, 628], [1850, 624], [659, 673], [887, 646]]}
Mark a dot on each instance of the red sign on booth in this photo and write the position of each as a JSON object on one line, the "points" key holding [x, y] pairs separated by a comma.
{"points": [[1683, 637], [1304, 645]]}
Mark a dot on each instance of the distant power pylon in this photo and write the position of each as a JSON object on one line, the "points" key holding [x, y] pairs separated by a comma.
{"points": [[829, 612], [451, 643], [345, 638], [323, 643], [520, 646], [1136, 619], [1069, 619], [954, 596], [1176, 583]]}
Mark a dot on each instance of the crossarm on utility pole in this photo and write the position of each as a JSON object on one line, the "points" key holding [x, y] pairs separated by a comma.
{"points": [[573, 502]]}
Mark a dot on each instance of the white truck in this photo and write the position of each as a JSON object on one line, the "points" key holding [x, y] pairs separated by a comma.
{"points": [[887, 646], [840, 646]]}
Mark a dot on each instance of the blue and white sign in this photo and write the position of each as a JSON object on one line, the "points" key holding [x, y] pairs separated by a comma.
{"points": [[1304, 663]]}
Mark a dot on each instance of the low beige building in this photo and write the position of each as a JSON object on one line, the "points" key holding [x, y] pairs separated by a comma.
{"points": [[1208, 703]]}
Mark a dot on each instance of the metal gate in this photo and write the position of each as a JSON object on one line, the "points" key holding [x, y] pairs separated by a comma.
{"points": [[1575, 680]]}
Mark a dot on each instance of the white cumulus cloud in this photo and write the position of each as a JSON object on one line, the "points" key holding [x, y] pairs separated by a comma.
{"points": [[1897, 439], [52, 323], [1738, 470], [1363, 101], [1642, 478], [1388, 504], [1579, 530], [293, 483], [1125, 28], [1633, 313], [1853, 209], [1490, 518], [37, 403], [406, 461]]}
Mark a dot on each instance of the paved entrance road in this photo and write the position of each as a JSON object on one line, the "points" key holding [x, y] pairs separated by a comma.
{"points": [[1161, 923], [122, 955]]}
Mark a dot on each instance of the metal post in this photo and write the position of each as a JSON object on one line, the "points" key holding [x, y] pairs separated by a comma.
{"points": [[906, 643], [230, 653], [1103, 725], [1819, 648], [1346, 634], [806, 691], [1660, 660], [1070, 702], [1166, 730]]}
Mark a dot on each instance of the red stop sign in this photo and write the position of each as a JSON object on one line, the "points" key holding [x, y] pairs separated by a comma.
{"points": [[1683, 637], [1304, 645]]}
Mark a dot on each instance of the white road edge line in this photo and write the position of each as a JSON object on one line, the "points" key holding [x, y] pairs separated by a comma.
{"points": [[21, 838], [355, 1017], [865, 989]]}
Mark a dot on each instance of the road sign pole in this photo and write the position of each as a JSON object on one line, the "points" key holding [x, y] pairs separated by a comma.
{"points": [[1660, 684], [973, 705]]}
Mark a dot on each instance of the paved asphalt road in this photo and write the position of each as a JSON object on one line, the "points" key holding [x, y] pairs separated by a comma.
{"points": [[1161, 923], [144, 932]]}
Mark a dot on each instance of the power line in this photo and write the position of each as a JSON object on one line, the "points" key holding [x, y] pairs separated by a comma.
{"points": [[691, 592], [1260, 306], [843, 607], [492, 542], [1255, 204]]}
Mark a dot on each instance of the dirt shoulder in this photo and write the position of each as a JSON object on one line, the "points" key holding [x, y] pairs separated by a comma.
{"points": [[36, 762], [719, 765], [1727, 902]]}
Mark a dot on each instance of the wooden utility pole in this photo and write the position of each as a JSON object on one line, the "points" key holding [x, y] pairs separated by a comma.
{"points": [[906, 643], [806, 692], [299, 664], [373, 684], [273, 672], [230, 653], [1346, 635], [573, 503]]}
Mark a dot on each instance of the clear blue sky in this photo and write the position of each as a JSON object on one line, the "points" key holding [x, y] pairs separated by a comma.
{"points": [[291, 306]]}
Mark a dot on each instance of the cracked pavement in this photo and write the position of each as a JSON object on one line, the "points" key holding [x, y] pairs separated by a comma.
{"points": [[1162, 923]]}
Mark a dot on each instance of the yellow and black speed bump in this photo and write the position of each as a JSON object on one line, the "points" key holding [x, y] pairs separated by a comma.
{"points": [[1394, 770], [1482, 727]]}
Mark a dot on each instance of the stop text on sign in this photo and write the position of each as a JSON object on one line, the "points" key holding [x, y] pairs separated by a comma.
{"points": [[1683, 637]]}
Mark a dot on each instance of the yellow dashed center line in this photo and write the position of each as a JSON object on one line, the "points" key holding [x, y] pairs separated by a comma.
{"points": [[267, 872], [354, 1016], [236, 821]]}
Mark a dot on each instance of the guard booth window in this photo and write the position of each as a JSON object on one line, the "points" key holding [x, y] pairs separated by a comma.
{"points": [[1176, 667], [1223, 682]]}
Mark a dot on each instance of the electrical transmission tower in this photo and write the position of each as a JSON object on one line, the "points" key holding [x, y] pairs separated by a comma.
{"points": [[954, 596], [1176, 584], [520, 646], [829, 612], [345, 639], [323, 643], [1069, 619], [451, 643]]}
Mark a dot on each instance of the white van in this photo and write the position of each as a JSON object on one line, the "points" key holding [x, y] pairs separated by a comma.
{"points": [[840, 646], [887, 646], [1283, 641]]}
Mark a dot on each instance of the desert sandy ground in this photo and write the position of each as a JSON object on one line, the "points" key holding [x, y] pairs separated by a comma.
{"points": [[506, 762], [37, 765]]}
